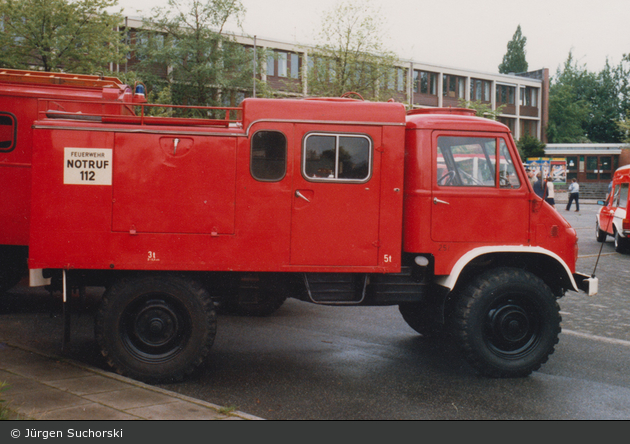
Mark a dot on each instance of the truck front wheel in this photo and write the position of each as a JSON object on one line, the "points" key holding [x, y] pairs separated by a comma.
{"points": [[155, 328], [507, 322]]}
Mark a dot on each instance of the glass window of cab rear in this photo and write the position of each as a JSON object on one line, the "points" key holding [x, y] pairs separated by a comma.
{"points": [[471, 161], [8, 132], [337, 157]]}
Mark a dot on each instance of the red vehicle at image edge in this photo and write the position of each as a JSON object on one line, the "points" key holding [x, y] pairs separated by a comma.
{"points": [[329, 200], [612, 218]]}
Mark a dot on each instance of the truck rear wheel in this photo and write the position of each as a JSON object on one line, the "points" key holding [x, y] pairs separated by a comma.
{"points": [[9, 278], [263, 304], [507, 322], [258, 294], [421, 318], [12, 266], [156, 328]]}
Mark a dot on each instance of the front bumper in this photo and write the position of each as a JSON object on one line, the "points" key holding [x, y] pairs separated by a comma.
{"points": [[588, 284]]}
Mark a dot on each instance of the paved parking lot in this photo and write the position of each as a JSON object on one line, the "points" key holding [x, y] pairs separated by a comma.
{"points": [[608, 313]]}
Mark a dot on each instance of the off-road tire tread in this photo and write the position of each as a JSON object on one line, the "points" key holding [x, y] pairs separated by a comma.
{"points": [[203, 349], [472, 294]]}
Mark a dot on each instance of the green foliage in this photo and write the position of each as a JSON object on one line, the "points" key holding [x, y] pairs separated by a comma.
{"points": [[530, 146], [586, 106], [76, 36], [514, 59], [350, 55], [206, 67], [482, 109], [624, 127]]}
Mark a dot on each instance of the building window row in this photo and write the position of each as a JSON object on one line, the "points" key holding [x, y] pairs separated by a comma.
{"points": [[453, 86], [425, 82], [283, 64], [480, 90]]}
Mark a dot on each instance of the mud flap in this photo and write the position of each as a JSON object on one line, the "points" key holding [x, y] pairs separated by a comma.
{"points": [[588, 284]]}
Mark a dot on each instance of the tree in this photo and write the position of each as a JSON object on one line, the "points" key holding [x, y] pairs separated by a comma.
{"points": [[76, 36], [586, 106], [530, 146], [350, 54], [607, 107], [624, 127], [514, 58], [205, 66]]}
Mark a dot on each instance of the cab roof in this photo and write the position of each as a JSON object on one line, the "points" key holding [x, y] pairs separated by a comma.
{"points": [[452, 118], [328, 109]]}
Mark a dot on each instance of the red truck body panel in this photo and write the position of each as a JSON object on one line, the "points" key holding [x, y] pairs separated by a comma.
{"points": [[199, 208]]}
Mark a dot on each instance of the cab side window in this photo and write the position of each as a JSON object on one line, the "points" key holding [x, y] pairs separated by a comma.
{"points": [[472, 162], [268, 161], [507, 172], [8, 132], [337, 158]]}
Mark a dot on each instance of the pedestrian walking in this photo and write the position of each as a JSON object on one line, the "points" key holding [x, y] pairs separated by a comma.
{"points": [[551, 193], [574, 195]]}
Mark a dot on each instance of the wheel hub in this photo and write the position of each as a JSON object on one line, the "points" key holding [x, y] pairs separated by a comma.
{"points": [[156, 325], [510, 323]]}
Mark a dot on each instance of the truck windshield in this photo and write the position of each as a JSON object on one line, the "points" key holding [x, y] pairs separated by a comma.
{"points": [[471, 161]]}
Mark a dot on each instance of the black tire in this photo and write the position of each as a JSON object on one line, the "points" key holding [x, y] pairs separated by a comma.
{"points": [[262, 304], [507, 322], [599, 234], [12, 266], [621, 243], [9, 278], [156, 328], [258, 294], [421, 318]]}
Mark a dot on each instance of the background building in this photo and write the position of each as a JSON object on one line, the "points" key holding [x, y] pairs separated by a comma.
{"points": [[524, 96]]}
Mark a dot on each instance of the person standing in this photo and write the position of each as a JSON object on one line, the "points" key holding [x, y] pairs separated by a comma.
{"points": [[551, 194], [531, 175], [574, 195], [539, 186]]}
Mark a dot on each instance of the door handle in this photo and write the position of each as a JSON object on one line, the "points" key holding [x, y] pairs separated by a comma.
{"points": [[437, 201], [301, 196]]}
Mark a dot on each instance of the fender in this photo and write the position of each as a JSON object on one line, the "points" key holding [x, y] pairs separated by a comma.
{"points": [[450, 280]]}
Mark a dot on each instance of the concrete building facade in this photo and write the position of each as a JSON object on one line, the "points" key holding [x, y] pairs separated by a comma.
{"points": [[524, 97]]}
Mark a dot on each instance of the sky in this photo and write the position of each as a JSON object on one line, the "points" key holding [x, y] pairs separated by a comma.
{"points": [[466, 34]]}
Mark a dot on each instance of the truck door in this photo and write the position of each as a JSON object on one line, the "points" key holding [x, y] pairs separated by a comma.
{"points": [[335, 212], [477, 195]]}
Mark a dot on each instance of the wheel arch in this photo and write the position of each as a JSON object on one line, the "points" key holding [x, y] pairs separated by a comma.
{"points": [[539, 261]]}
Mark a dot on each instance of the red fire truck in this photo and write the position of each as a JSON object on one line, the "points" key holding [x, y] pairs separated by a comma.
{"points": [[330, 200]]}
